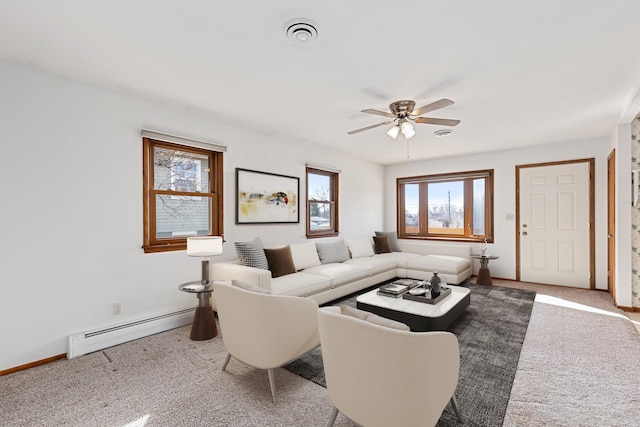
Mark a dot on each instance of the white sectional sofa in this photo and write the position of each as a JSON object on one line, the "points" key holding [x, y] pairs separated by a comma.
{"points": [[324, 281]]}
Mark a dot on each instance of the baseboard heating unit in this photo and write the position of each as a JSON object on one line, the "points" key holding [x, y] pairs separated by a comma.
{"points": [[88, 342]]}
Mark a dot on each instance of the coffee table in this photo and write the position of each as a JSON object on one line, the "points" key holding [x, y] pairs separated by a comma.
{"points": [[419, 316]]}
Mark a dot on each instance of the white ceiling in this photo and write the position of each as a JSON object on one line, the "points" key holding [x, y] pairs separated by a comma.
{"points": [[521, 73]]}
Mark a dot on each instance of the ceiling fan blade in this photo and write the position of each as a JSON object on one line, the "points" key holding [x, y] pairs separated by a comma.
{"points": [[432, 121], [433, 106], [379, 113], [369, 127]]}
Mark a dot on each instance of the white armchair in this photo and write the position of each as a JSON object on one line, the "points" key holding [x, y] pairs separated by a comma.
{"points": [[378, 376], [263, 330]]}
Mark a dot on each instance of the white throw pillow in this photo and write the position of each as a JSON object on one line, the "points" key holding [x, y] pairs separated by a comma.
{"points": [[359, 247], [304, 255]]}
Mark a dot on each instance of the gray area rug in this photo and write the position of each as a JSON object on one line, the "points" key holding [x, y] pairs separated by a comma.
{"points": [[490, 334]]}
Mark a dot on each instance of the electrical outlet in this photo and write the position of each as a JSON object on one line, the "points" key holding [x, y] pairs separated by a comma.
{"points": [[117, 308]]}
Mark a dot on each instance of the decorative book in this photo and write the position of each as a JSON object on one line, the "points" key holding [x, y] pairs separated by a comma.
{"points": [[394, 288], [406, 282], [193, 287]]}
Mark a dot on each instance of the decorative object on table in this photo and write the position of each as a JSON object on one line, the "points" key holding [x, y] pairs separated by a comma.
{"points": [[266, 198], [205, 247], [427, 297], [483, 248], [435, 285]]}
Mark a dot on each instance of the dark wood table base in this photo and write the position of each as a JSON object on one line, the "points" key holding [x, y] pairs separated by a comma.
{"points": [[484, 277], [204, 324]]}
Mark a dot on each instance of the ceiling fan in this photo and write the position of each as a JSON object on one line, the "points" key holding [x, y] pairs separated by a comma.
{"points": [[403, 113]]}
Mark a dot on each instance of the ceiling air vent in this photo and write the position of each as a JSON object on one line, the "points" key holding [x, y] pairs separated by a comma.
{"points": [[301, 30], [442, 132]]}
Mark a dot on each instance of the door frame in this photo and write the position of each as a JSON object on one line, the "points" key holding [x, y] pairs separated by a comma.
{"points": [[611, 224], [592, 231]]}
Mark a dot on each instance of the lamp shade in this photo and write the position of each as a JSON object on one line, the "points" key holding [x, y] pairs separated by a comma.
{"points": [[407, 130], [204, 246], [393, 132]]}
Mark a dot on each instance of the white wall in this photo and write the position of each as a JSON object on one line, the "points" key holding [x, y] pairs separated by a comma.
{"points": [[71, 209], [621, 139], [503, 163]]}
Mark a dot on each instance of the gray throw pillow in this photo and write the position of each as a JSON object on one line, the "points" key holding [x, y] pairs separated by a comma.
{"points": [[332, 251], [252, 254], [393, 239]]}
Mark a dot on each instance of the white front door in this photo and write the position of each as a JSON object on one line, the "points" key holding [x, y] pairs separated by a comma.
{"points": [[554, 216]]}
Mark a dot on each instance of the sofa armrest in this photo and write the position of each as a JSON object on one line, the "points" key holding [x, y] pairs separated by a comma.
{"points": [[234, 271]]}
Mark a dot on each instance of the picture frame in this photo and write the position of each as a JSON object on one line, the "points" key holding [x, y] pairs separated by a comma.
{"points": [[266, 198]]}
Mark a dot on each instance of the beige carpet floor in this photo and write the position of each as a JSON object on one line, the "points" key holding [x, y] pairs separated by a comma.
{"points": [[579, 366]]}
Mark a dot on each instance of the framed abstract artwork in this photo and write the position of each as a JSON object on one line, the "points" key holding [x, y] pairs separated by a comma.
{"points": [[266, 198]]}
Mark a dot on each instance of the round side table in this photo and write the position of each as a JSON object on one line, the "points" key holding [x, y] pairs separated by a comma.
{"points": [[484, 275], [204, 323]]}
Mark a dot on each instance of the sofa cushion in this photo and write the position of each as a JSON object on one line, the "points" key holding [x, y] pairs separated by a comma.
{"points": [[280, 261], [440, 263], [359, 247], [300, 284], [249, 287], [252, 254], [381, 244], [304, 255], [393, 239], [400, 258], [375, 264], [335, 251], [372, 318], [339, 273]]}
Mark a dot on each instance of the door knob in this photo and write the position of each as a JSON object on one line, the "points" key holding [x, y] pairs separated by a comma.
{"points": [[524, 233]]}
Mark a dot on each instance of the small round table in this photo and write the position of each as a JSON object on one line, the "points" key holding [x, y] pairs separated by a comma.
{"points": [[484, 276], [204, 323]]}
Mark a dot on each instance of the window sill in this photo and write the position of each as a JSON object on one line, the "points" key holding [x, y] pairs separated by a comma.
{"points": [[446, 239], [165, 247]]}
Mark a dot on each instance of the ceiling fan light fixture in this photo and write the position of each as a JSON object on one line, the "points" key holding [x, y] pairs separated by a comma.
{"points": [[407, 130], [394, 131]]}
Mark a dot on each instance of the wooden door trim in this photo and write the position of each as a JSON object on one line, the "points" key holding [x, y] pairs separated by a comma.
{"points": [[611, 221], [592, 223]]}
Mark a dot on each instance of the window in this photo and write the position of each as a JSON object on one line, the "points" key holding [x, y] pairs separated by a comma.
{"points": [[457, 206], [322, 203], [182, 194]]}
